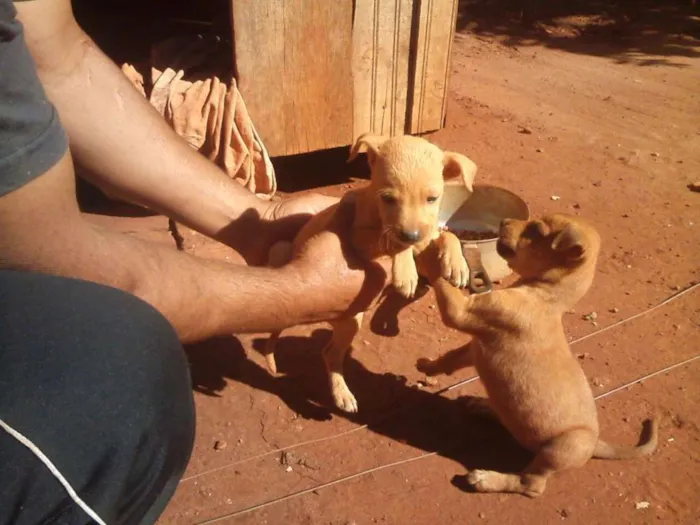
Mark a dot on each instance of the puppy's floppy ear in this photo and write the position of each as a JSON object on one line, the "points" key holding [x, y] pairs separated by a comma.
{"points": [[369, 143], [569, 241], [458, 167], [538, 226]]}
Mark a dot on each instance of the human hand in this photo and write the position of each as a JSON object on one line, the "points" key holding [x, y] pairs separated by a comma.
{"points": [[336, 281], [260, 227], [283, 219], [307, 204]]}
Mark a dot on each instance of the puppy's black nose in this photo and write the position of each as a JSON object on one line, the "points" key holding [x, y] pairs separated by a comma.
{"points": [[409, 236]]}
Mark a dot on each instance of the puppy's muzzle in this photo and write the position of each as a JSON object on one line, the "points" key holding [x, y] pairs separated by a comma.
{"points": [[504, 250]]}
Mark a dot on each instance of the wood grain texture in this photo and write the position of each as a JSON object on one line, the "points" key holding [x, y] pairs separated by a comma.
{"points": [[293, 62], [381, 45], [401, 64], [433, 47], [316, 74]]}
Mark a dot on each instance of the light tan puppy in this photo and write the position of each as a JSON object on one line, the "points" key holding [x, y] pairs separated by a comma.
{"points": [[396, 216], [536, 388]]}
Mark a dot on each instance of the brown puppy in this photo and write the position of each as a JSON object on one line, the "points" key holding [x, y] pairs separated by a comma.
{"points": [[536, 388], [395, 216]]}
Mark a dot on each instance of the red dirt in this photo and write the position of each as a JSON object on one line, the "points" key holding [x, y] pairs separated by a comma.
{"points": [[613, 113]]}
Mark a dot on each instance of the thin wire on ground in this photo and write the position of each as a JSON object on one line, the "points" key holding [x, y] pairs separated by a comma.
{"points": [[455, 386], [312, 489], [644, 378], [280, 499], [274, 501], [669, 299], [276, 451]]}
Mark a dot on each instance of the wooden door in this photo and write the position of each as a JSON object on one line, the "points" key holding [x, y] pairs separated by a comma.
{"points": [[315, 74], [293, 60]]}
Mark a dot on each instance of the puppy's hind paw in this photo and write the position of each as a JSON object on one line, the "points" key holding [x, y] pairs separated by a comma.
{"points": [[479, 480], [344, 400], [427, 366], [271, 363], [269, 352]]}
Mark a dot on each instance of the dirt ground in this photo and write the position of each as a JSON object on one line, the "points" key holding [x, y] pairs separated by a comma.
{"points": [[595, 113]]}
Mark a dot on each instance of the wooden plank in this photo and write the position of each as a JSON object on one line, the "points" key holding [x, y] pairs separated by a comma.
{"points": [[314, 77], [433, 47], [257, 66], [381, 45], [294, 69]]}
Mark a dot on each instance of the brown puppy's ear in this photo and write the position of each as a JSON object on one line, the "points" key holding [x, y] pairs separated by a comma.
{"points": [[459, 167], [369, 143], [569, 241], [539, 227]]}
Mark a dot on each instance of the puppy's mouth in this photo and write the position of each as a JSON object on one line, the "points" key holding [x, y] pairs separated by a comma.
{"points": [[504, 250]]}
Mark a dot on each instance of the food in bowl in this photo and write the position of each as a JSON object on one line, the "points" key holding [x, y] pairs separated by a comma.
{"points": [[473, 235]]}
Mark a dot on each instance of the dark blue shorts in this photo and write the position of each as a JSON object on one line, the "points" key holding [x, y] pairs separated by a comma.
{"points": [[98, 382]]}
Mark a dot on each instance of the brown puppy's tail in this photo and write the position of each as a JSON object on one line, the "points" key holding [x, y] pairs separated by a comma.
{"points": [[647, 444]]}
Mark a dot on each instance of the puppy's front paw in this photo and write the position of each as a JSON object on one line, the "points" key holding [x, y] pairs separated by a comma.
{"points": [[454, 267], [404, 274], [344, 399], [406, 286], [427, 366]]}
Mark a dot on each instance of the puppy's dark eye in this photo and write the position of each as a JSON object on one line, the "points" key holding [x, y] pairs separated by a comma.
{"points": [[388, 198], [432, 199]]}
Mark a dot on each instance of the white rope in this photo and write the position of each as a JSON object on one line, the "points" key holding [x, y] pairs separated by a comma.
{"points": [[54, 471]]}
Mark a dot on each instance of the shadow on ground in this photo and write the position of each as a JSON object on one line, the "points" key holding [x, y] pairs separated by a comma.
{"points": [[389, 406], [645, 32]]}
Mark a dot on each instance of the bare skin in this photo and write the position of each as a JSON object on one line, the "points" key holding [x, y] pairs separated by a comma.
{"points": [[131, 152]]}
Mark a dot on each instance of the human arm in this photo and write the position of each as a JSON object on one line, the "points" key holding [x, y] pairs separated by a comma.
{"points": [[128, 150], [43, 230]]}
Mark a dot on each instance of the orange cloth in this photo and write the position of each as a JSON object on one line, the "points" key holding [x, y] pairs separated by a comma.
{"points": [[209, 114]]}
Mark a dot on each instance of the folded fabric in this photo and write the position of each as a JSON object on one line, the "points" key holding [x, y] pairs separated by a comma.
{"points": [[208, 113]]}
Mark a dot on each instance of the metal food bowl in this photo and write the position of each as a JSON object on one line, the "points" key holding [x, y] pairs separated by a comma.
{"points": [[482, 211]]}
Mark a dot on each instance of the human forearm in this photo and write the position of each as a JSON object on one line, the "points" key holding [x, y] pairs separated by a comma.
{"points": [[44, 231], [124, 144], [201, 298]]}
